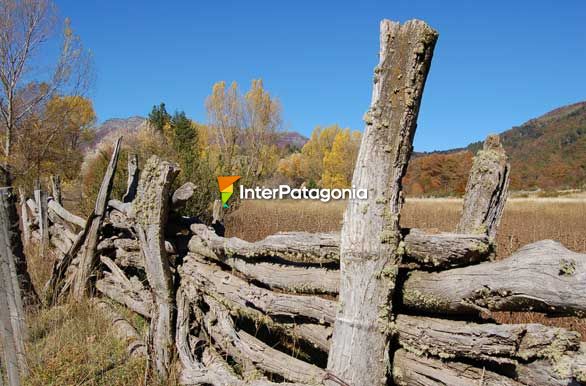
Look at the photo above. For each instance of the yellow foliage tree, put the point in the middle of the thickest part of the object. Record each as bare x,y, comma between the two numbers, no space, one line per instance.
339,161
51,140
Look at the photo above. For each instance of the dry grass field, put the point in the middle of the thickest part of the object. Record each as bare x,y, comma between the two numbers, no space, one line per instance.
525,220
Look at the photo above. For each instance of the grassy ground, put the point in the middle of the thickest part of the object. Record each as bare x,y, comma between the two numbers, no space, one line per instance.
525,220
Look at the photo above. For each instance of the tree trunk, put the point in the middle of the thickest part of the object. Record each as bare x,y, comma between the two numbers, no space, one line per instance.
151,208
88,258
371,234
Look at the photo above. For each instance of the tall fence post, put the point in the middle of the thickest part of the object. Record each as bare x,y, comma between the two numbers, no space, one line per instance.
486,190
12,325
41,200
56,189
369,248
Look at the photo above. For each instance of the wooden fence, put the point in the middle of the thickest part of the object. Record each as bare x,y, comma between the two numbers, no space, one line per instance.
372,305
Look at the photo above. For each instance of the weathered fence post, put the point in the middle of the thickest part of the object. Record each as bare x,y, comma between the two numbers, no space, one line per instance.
132,181
369,249
56,188
218,218
12,325
42,216
486,190
24,215
88,257
151,208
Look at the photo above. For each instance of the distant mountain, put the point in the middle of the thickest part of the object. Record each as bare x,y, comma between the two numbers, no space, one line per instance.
548,152
115,127
291,139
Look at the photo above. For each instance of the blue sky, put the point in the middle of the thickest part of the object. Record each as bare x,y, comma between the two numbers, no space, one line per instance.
496,65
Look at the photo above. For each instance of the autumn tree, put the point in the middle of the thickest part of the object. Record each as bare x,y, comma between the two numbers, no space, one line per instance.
339,161
244,129
51,140
224,109
26,28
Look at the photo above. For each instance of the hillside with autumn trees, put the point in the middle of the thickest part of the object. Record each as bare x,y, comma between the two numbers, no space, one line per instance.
546,153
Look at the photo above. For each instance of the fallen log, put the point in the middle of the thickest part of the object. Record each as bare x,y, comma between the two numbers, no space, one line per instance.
182,195
211,368
292,278
244,348
124,290
413,370
445,250
223,285
123,330
490,342
567,368
428,250
292,246
542,277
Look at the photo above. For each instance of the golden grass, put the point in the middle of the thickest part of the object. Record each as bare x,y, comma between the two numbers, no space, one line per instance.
73,344
524,221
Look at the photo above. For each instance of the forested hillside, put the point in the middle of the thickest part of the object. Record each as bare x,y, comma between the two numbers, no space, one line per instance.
548,153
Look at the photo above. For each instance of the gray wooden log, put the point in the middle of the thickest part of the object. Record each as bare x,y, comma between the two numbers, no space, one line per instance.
61,238
41,200
486,190
427,250
132,181
369,248
127,291
70,218
25,220
412,370
123,207
12,323
292,278
88,255
32,207
215,282
445,250
243,347
293,246
488,342
182,195
542,277
56,188
212,368
123,330
565,368
151,208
